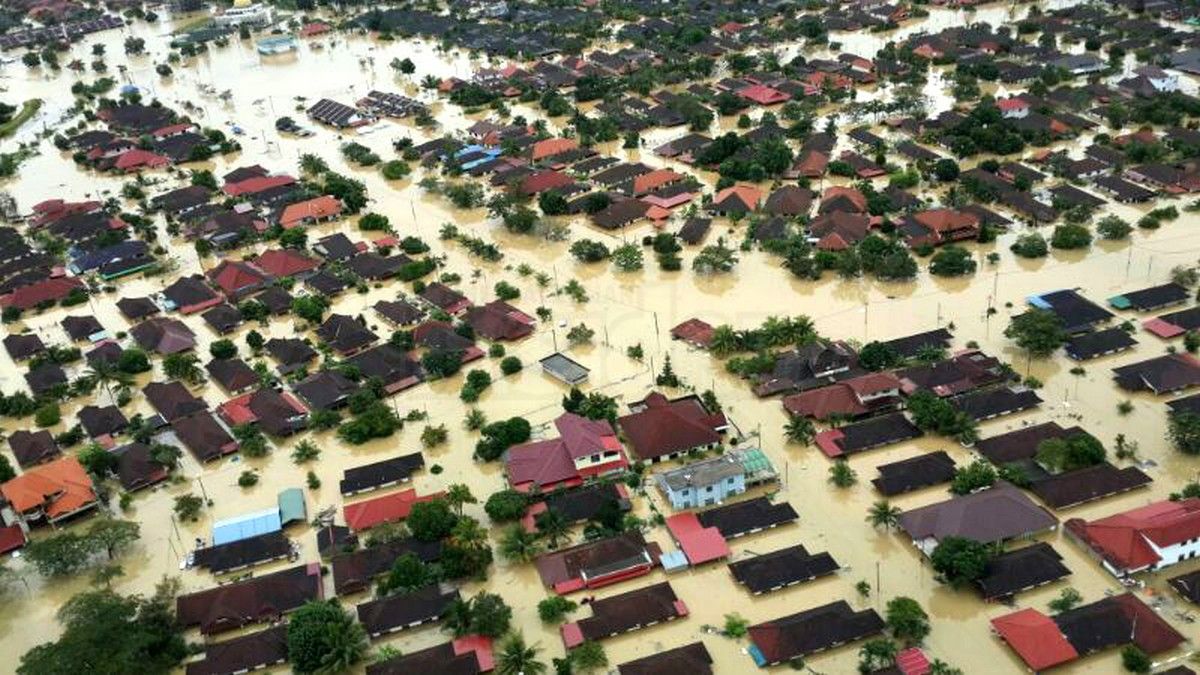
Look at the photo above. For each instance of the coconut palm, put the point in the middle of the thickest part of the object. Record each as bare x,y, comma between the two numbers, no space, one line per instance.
552,525
106,374
518,658
589,656
799,430
345,644
458,617
519,545
841,475
883,514
458,495
724,341
183,366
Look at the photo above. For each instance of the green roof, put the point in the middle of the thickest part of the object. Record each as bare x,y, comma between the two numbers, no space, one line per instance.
291,506
1119,302
754,461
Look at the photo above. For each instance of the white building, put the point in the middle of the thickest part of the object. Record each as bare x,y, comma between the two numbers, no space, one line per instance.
256,14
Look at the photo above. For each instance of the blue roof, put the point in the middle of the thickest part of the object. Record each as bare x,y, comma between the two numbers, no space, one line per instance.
84,261
291,506
673,561
246,526
757,655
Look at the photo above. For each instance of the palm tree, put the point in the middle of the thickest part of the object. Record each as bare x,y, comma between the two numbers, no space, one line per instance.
468,535
183,366
457,495
458,617
841,475
519,545
345,645
518,658
800,430
883,514
589,656
801,330
775,331
106,374
724,341
552,525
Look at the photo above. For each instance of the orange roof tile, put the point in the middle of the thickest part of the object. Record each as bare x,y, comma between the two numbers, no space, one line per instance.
62,485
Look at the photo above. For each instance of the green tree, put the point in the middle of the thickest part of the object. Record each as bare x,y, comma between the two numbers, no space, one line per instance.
877,654
324,638
490,616
113,536
506,505
628,257
305,451
223,349
187,507
431,521
960,561
552,526
518,658
588,656
183,366
409,573
1066,600
1183,429
952,261
883,514
908,621
519,545
554,609
61,554
109,634
1038,331
459,495
1134,660
975,476
799,430
841,475
736,625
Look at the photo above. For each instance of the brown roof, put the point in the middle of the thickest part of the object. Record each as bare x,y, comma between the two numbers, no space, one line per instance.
992,515
667,427
254,600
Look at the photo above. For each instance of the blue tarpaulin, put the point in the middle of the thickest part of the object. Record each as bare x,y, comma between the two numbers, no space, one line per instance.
246,526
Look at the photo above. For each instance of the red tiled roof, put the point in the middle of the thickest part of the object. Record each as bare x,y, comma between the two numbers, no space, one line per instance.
233,277
544,180
171,130
1035,638
314,209
47,290
552,146
700,544
912,661
747,194
136,158
946,220
63,482
386,509
1011,104
668,427
11,538
1127,540
285,262
257,184
654,179
693,331
762,94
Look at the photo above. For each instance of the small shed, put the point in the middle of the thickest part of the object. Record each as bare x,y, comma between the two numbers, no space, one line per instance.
565,369
292,508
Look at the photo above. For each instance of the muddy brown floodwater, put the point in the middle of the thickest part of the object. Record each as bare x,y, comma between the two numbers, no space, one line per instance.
625,309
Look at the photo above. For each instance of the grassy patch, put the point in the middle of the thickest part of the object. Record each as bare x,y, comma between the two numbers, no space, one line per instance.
28,109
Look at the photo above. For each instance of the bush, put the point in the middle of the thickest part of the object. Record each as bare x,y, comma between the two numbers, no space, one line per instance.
506,506
223,349
555,608
248,479
395,169
48,415
374,222
1113,228
1070,237
952,261
1031,245
589,251
510,365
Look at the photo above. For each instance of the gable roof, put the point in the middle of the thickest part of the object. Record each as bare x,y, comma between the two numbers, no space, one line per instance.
666,427
60,487
1128,540
998,513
